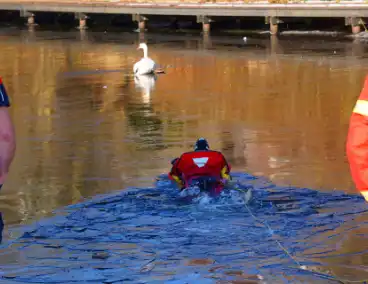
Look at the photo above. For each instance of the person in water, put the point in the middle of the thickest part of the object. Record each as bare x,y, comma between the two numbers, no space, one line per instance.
200,163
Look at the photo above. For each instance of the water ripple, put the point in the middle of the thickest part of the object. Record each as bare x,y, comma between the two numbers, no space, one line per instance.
151,235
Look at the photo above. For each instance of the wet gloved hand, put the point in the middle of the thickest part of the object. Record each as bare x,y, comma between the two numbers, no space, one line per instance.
173,161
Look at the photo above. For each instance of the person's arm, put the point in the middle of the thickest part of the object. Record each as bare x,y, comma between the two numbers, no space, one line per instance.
225,172
175,173
7,135
357,142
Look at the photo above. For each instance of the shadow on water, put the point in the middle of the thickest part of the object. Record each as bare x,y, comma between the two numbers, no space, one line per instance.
150,235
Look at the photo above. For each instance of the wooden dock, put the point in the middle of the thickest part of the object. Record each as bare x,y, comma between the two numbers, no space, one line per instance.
353,11
190,8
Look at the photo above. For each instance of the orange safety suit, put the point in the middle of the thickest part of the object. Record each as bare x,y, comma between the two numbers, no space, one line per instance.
357,142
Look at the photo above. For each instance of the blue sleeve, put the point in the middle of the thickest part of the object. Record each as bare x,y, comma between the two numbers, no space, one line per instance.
4,99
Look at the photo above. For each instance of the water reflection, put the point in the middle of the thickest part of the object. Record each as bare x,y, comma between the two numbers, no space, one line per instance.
206,42
100,129
146,84
83,35
275,46
282,115
142,116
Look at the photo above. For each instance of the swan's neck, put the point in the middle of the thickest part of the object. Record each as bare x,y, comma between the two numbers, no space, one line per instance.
145,52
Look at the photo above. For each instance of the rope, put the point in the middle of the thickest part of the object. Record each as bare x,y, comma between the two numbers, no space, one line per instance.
333,277
269,229
246,198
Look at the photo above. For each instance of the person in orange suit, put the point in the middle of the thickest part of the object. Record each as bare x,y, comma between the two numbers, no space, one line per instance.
357,142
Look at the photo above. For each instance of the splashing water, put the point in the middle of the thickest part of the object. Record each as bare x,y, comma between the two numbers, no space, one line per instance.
156,235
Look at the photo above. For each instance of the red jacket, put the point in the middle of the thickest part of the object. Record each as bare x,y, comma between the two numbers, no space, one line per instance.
199,163
357,142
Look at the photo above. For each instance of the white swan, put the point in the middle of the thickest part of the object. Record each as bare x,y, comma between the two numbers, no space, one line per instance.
146,65
146,83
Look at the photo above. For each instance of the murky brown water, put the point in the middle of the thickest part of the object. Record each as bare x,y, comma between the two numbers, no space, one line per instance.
275,108
280,113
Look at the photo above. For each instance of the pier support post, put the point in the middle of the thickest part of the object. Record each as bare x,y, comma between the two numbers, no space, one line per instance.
206,23
83,35
141,20
141,25
30,18
274,24
355,29
355,23
206,28
82,18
